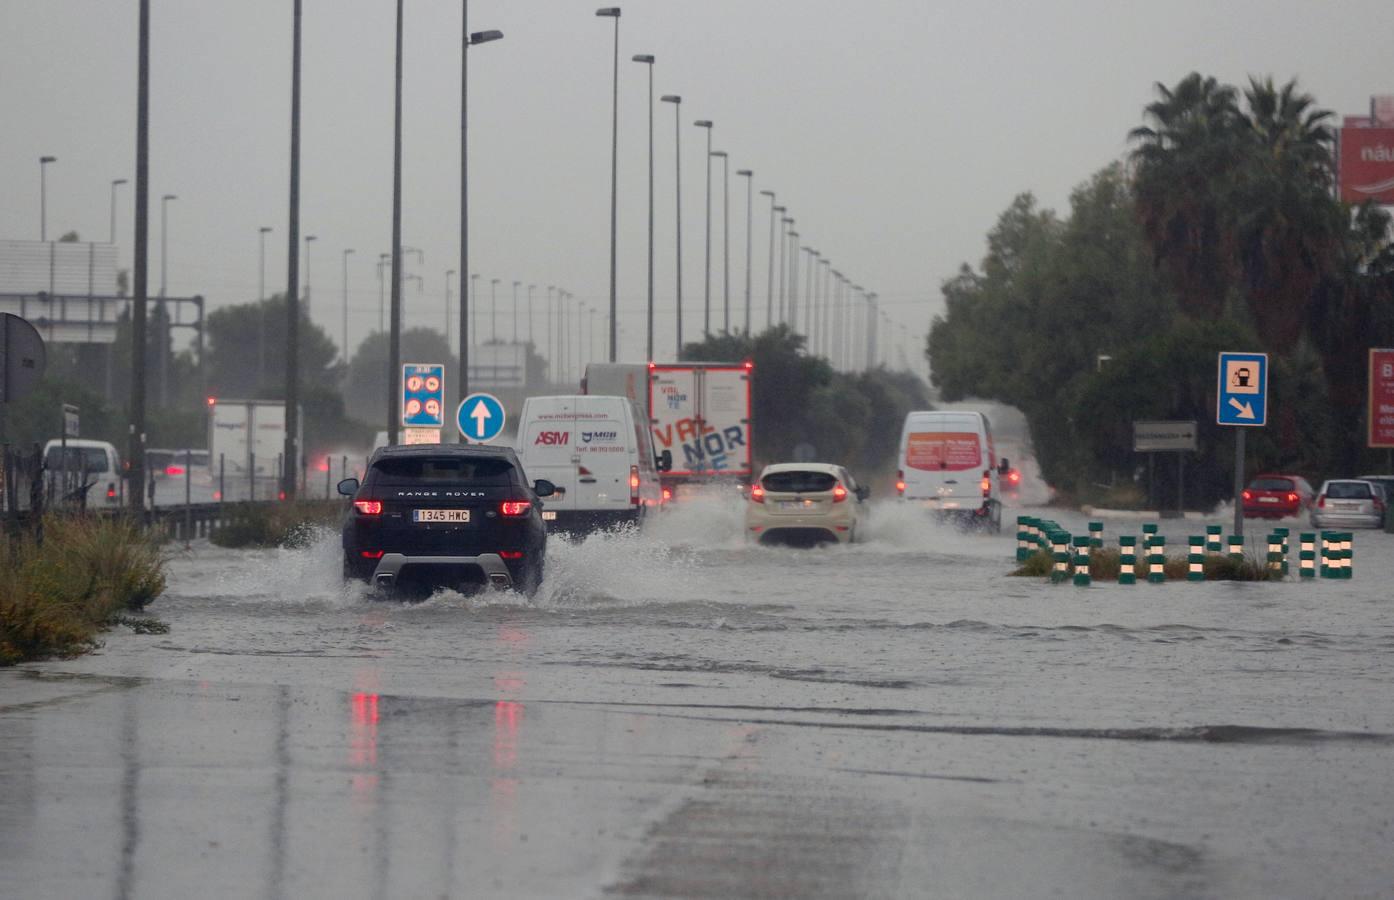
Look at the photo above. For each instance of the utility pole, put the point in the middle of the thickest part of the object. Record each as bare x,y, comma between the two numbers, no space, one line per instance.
290,458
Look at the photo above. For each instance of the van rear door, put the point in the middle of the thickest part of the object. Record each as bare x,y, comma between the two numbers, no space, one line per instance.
602,448
943,459
546,447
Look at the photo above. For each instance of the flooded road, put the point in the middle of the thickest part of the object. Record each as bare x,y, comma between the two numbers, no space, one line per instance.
681,715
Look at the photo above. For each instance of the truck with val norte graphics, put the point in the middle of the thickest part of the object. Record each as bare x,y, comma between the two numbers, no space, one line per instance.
698,411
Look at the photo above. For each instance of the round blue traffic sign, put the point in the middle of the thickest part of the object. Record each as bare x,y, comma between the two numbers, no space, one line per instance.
480,417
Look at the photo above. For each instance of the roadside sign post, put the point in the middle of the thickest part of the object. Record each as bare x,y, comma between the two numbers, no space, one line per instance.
1241,401
1174,437
480,418
423,395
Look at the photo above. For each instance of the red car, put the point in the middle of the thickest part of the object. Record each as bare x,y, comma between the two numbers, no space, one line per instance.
1277,497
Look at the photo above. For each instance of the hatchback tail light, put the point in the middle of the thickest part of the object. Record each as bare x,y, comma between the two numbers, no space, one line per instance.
368,507
1247,495
633,485
174,470
900,482
1292,498
757,494
515,509
839,493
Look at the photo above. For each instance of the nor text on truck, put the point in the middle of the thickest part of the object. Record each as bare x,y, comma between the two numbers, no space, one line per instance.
699,412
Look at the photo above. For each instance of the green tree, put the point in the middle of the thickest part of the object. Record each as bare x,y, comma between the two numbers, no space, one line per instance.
246,345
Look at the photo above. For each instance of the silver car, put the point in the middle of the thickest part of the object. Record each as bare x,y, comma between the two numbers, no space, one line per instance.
1348,503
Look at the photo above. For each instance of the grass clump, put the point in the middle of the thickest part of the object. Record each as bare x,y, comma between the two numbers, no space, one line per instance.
86,575
277,524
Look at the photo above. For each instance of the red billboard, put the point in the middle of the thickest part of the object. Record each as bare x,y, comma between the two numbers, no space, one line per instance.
1367,165
1381,398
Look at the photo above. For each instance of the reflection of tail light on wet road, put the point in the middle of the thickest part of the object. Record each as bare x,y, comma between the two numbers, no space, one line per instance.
363,742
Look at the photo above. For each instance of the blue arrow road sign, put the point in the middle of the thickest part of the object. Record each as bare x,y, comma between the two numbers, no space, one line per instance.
423,395
1243,389
480,417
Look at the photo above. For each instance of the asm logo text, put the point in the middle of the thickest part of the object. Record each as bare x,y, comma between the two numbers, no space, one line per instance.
552,438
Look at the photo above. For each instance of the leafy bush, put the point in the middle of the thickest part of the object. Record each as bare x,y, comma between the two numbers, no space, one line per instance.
277,524
87,573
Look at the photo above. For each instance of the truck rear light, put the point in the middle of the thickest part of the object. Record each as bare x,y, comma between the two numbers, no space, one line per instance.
757,494
839,493
900,482
371,554
515,509
633,485
368,507
511,554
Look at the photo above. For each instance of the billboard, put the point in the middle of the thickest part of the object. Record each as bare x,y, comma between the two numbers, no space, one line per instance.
1367,165
1381,398
494,366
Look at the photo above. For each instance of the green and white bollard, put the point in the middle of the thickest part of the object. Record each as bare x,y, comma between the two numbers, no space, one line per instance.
1157,559
1328,542
1212,539
1275,555
1060,552
1082,544
1127,559
1236,548
1023,538
1096,535
1307,555
1195,558
1149,535
1347,552
1284,534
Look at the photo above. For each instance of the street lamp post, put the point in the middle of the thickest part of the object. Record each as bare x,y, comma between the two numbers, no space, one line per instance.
647,59
309,239
786,222
474,311
707,265
394,341
749,176
531,288
383,260
769,269
467,40
344,282
164,215
493,310
613,12
290,454
114,185
725,239
43,195
794,280
676,100
552,314
515,311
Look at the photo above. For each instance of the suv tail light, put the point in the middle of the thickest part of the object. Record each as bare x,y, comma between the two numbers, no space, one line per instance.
900,482
368,507
839,493
371,554
633,485
511,554
1379,506
757,494
515,509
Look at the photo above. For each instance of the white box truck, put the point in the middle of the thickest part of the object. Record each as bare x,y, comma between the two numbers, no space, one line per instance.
247,438
700,412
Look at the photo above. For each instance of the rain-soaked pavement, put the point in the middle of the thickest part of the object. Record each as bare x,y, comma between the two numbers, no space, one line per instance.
678,715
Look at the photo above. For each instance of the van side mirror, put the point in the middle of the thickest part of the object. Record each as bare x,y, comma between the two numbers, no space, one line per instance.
664,461
348,487
1004,467
543,488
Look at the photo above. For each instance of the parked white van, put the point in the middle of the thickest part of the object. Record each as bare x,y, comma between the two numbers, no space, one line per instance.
94,465
598,452
949,464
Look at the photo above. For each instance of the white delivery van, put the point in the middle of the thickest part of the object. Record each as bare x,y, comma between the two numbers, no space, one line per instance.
90,466
598,452
949,465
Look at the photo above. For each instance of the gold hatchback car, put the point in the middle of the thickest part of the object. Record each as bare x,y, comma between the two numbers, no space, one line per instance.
805,504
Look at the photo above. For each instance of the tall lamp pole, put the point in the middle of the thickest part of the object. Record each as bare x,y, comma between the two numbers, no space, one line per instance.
493,310
647,59
449,274
309,239
676,100
707,265
262,232
466,305
114,185
531,288
786,223
290,456
515,311
394,316
725,240
749,177
769,269
613,12
135,453
347,253
43,195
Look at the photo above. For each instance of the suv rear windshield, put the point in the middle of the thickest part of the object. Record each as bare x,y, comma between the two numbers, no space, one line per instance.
1271,484
1348,490
443,470
798,482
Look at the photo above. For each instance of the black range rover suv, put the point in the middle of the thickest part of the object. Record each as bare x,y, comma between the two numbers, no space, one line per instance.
445,515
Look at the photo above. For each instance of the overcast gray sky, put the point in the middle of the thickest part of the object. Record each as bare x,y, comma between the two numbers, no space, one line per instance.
895,130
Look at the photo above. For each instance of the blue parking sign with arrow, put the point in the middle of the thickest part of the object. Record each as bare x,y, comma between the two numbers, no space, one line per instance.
1243,389
480,417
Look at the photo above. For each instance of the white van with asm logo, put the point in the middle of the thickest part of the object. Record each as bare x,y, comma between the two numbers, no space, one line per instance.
598,453
949,464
